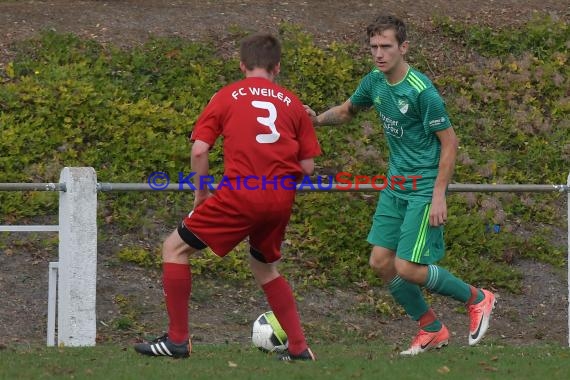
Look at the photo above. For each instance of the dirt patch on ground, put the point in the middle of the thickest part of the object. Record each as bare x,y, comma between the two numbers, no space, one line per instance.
220,311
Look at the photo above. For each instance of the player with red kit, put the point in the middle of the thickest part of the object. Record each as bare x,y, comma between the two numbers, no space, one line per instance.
266,134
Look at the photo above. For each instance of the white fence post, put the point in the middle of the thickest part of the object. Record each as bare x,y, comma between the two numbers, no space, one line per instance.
77,268
52,302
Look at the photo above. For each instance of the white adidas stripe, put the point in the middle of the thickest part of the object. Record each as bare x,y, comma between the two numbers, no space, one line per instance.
160,349
165,349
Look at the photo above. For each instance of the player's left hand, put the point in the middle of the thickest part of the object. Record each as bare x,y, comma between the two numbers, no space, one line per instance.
438,212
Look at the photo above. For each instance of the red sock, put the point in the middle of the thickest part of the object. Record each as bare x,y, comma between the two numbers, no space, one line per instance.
427,319
474,294
177,285
282,303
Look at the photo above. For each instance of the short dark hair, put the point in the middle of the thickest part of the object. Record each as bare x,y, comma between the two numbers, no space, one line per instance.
386,22
260,50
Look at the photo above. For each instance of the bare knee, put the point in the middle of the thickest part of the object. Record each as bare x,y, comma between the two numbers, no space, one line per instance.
168,249
412,272
382,263
175,250
263,273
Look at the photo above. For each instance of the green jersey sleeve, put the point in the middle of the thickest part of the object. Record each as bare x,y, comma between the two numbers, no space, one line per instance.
432,109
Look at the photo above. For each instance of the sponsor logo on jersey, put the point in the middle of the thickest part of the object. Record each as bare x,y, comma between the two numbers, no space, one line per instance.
437,122
391,126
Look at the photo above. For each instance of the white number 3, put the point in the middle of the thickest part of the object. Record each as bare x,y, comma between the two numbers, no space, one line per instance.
267,138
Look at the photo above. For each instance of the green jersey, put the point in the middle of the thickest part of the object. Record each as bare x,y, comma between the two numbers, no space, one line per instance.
411,111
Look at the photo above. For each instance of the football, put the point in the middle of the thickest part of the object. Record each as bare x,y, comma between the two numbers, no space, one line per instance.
267,334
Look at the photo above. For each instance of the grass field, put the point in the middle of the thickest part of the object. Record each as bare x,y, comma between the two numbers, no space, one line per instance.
361,361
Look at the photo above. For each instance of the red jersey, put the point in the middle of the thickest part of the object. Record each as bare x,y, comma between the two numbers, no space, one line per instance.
265,128
266,133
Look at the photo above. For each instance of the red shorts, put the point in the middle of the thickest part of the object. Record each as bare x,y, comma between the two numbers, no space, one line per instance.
230,216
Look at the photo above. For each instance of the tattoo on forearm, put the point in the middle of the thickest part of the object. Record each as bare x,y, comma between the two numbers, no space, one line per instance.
330,118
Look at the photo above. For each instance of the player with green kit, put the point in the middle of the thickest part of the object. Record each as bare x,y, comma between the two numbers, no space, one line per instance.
407,227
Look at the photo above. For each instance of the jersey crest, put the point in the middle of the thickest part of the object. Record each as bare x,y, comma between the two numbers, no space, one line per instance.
403,105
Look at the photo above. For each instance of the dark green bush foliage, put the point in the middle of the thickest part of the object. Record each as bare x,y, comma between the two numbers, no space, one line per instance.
71,102
542,37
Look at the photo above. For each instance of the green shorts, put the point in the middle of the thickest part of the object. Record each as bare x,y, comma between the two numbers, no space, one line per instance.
403,226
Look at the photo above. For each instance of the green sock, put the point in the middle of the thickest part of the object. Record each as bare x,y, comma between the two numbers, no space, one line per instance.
442,282
409,296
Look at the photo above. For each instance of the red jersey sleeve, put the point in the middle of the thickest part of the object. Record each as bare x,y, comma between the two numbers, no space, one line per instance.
309,146
208,126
